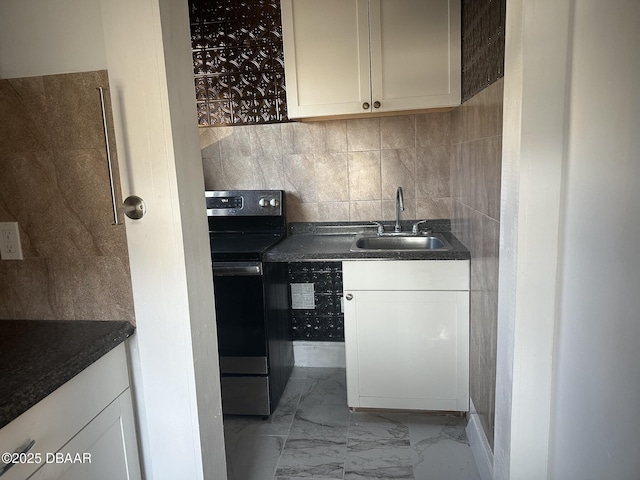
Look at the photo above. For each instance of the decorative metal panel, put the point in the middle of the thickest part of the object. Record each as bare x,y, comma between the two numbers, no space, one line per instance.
325,321
238,61
483,23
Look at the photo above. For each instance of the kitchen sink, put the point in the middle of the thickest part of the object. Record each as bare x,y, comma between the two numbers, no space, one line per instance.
404,242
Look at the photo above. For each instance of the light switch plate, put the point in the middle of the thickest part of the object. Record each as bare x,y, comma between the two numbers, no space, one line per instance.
10,248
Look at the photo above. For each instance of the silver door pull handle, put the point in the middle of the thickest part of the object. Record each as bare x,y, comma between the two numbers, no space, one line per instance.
133,207
18,452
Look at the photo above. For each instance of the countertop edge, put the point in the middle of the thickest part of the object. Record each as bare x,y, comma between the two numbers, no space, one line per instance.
36,389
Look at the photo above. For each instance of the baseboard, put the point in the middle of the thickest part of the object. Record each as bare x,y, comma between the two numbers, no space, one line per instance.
319,354
482,453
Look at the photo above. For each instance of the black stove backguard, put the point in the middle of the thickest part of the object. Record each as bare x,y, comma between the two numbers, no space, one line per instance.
252,298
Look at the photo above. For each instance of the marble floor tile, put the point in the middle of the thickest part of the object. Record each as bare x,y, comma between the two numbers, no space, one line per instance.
440,448
372,425
320,421
278,423
381,458
325,386
312,435
260,463
313,458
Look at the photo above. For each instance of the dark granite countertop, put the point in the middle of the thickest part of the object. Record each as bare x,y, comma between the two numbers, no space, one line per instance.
332,241
38,356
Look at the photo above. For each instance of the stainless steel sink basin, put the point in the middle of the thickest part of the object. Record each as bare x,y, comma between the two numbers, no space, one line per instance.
432,242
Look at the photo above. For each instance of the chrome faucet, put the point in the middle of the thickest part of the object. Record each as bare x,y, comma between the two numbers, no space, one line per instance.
399,207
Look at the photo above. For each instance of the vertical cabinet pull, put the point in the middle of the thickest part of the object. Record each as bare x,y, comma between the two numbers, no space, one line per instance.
134,207
114,203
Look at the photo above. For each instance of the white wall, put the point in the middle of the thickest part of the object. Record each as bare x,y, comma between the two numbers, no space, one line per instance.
533,153
48,37
596,425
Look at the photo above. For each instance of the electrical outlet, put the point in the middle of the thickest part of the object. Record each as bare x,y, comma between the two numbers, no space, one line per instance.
10,248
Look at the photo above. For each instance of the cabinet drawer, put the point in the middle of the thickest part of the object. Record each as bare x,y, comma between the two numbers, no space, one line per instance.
53,421
406,275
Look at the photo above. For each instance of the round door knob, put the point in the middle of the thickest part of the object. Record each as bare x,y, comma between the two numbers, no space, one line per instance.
365,106
376,104
349,296
274,202
263,202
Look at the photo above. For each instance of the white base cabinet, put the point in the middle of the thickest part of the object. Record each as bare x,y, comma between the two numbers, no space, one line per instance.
407,334
84,430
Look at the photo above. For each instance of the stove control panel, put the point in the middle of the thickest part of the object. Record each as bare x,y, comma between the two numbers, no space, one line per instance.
244,202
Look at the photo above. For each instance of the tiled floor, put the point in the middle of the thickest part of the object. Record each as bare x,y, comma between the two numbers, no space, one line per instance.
313,435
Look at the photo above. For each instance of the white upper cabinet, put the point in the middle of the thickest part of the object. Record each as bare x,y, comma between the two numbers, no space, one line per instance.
346,57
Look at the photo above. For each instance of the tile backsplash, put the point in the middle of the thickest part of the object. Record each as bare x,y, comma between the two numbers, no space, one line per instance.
338,170
55,184
475,188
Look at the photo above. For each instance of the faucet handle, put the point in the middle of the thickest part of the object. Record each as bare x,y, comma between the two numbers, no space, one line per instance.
415,229
380,227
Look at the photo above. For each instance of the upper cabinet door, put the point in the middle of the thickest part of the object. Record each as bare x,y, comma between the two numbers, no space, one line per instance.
326,51
345,57
415,54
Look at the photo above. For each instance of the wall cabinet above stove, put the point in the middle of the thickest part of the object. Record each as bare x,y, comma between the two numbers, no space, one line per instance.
354,57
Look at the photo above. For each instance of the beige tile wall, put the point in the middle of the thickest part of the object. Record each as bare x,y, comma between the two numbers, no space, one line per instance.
54,183
475,188
338,170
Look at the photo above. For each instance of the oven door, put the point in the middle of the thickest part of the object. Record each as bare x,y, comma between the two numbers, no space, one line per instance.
240,317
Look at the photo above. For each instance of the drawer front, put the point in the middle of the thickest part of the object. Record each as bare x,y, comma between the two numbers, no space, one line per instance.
406,275
53,421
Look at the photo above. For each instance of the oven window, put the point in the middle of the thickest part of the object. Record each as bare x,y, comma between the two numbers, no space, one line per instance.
240,316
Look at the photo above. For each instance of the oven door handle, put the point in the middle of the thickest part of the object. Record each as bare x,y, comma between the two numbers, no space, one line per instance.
237,269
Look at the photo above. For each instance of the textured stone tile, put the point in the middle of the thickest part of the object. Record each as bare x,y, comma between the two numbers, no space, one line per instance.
240,173
92,288
440,448
336,131
365,210
265,140
300,211
304,138
434,207
320,421
364,176
261,464
315,458
379,458
433,129
83,183
398,132
270,172
213,176
50,225
235,142
27,290
325,386
398,170
73,114
300,172
332,177
210,138
333,211
376,425
433,171
363,134
22,108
